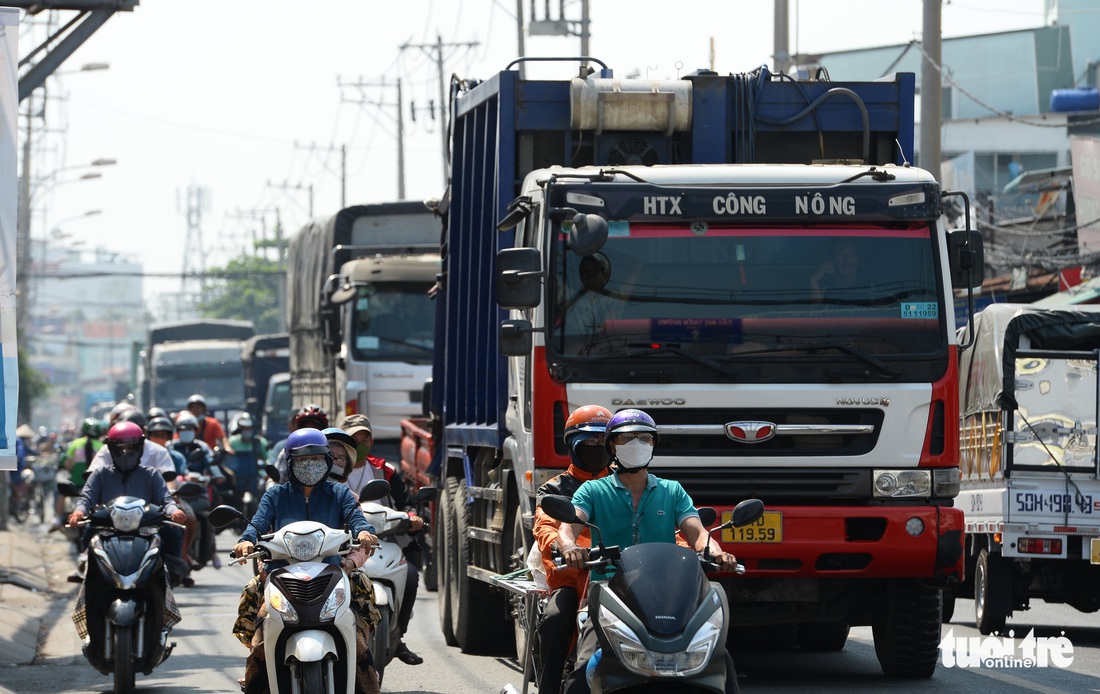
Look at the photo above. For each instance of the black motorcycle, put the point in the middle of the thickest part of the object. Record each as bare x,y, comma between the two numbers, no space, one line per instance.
125,612
660,622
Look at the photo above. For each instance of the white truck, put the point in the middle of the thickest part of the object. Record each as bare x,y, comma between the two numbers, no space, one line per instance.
360,318
1028,411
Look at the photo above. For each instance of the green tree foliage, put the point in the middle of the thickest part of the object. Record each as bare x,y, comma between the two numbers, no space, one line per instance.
32,386
247,288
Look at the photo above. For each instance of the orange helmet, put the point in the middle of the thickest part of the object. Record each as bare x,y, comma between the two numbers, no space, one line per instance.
588,419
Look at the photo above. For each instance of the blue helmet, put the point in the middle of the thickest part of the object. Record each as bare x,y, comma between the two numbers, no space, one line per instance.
305,442
630,421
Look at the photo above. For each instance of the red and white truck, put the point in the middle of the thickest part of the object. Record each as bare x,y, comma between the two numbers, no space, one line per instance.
685,247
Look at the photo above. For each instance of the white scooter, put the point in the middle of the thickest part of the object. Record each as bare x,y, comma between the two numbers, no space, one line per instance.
309,630
388,571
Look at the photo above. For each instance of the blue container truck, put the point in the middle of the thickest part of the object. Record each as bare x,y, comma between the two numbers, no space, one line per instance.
652,244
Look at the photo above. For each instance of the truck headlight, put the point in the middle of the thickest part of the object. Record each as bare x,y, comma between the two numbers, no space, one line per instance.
899,484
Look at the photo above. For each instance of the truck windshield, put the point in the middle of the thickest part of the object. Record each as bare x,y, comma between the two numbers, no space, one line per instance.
221,384
822,304
393,322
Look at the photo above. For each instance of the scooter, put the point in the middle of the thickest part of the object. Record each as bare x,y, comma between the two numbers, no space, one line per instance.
387,569
309,630
126,611
658,618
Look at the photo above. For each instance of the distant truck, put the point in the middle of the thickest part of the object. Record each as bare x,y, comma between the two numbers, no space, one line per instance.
1028,452
199,356
263,357
359,313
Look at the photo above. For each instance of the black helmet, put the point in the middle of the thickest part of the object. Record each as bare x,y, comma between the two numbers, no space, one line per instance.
135,415
155,412
160,424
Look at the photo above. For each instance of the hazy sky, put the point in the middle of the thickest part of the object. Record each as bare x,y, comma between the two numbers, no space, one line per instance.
241,97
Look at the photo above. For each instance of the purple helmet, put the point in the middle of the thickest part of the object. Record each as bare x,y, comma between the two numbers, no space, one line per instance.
630,421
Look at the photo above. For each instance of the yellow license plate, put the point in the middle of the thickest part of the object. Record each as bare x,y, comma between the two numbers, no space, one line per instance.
768,529
1094,551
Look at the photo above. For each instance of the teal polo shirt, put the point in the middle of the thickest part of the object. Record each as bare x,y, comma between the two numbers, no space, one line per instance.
663,506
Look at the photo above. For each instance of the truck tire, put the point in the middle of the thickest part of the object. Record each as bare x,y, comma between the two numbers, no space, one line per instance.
823,636
445,557
519,560
985,575
477,610
948,610
907,632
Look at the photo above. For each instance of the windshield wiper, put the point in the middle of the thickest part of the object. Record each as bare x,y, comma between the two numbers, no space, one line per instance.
404,343
880,365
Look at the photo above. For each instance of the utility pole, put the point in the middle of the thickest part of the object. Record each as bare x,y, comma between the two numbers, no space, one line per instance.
444,107
365,100
23,233
781,38
343,149
931,86
520,38
297,186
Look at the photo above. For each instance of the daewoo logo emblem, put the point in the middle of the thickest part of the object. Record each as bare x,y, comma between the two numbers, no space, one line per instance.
750,432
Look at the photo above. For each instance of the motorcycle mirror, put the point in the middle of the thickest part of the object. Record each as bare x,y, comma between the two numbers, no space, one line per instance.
189,489
196,456
707,516
560,508
68,489
747,512
427,494
169,475
272,473
374,490
223,516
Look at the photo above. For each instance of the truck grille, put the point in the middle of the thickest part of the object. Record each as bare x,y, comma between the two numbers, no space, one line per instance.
718,444
723,486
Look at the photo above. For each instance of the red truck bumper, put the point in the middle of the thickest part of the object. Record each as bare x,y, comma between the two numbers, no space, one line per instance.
857,542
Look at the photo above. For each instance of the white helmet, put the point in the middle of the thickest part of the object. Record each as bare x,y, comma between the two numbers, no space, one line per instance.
186,420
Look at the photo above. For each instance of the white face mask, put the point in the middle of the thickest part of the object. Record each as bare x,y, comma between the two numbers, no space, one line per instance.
187,436
634,454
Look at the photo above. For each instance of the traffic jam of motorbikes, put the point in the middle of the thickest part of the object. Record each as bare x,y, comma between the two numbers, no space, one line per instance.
680,381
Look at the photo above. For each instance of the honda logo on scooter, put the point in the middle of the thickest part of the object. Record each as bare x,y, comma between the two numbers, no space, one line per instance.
750,432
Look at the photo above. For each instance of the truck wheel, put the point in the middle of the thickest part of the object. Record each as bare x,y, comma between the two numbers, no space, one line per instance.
907,632
823,636
519,561
445,558
948,605
477,610
987,622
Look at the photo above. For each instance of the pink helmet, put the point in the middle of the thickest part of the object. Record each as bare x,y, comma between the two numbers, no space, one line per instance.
123,433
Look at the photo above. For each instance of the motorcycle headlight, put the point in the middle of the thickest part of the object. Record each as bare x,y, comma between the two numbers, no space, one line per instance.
638,658
280,604
127,519
335,599
304,547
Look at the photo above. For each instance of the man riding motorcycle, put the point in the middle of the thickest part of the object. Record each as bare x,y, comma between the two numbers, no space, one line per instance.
630,507
584,437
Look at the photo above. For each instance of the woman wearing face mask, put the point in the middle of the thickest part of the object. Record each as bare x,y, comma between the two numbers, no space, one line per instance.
631,507
308,494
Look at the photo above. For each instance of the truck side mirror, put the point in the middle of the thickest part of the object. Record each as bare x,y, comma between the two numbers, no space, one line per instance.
515,338
519,275
966,255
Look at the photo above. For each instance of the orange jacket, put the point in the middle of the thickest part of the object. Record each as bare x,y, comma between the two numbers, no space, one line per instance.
546,528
